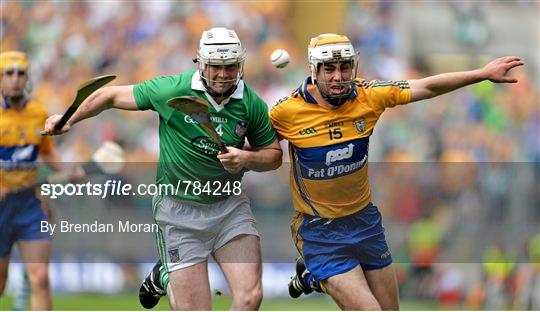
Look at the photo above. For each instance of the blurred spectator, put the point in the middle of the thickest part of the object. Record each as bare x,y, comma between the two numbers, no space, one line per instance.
499,266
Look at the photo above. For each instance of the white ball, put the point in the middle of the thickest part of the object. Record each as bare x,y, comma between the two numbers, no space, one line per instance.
279,58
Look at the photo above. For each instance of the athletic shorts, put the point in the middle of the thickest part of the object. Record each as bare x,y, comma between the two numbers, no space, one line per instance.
334,246
190,232
20,219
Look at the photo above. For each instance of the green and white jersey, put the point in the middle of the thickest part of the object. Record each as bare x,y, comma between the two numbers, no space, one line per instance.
187,155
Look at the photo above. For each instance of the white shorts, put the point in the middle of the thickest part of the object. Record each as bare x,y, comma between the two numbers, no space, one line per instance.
190,232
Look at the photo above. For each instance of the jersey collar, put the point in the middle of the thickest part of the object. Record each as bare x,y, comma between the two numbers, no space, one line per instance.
7,105
303,91
197,84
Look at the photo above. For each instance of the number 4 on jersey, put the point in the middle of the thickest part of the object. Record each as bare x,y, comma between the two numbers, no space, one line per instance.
219,130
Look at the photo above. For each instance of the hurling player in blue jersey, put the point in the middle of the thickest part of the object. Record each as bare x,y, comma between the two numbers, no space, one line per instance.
328,121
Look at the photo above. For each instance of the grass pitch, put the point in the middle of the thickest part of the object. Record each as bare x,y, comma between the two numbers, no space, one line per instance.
98,302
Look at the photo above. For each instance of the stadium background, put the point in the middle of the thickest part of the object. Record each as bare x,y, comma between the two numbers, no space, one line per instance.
453,176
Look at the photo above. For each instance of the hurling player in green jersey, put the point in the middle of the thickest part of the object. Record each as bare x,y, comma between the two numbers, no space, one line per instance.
210,214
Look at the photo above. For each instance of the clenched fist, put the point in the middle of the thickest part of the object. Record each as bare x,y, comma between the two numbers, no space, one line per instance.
51,122
234,160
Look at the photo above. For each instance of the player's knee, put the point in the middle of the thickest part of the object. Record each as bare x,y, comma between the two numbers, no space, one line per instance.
369,305
39,279
363,306
249,298
359,302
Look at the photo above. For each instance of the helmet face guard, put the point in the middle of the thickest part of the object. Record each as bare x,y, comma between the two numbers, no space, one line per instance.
220,47
332,49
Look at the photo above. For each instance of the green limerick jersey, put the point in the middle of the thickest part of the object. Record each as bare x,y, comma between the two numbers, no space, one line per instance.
187,155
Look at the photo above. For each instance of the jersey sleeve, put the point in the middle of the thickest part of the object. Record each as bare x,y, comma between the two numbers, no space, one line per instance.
260,132
154,94
384,94
278,117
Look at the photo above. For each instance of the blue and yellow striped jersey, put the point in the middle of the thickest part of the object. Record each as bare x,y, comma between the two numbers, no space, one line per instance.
21,143
328,148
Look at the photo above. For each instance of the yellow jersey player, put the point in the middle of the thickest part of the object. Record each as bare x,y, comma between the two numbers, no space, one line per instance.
20,145
328,122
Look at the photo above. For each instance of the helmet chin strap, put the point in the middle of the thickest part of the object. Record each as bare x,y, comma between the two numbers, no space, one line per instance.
14,98
335,102
21,97
213,93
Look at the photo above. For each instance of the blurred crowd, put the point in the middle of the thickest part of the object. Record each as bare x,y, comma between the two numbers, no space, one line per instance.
70,41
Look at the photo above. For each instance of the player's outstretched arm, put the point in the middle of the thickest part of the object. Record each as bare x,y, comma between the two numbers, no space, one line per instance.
262,159
494,71
120,97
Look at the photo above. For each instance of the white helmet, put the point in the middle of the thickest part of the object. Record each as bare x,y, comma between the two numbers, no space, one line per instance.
220,46
329,48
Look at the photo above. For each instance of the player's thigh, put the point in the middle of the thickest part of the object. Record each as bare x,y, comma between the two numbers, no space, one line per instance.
237,246
36,254
190,288
350,290
35,251
4,265
8,230
383,285
184,237
240,261
34,244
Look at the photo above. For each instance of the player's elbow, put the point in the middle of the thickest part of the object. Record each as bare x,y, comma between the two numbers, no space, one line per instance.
423,94
276,155
120,97
271,160
101,99
277,159
421,89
